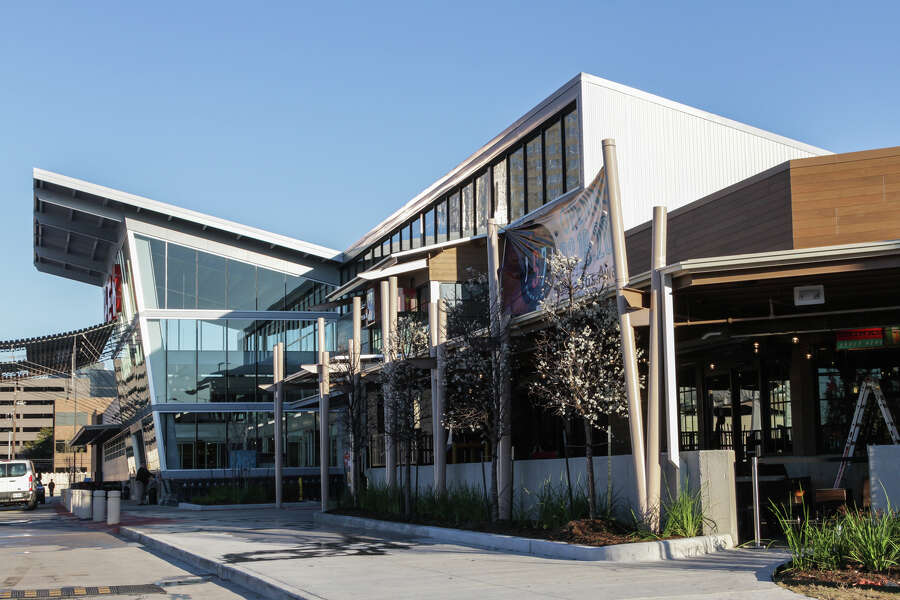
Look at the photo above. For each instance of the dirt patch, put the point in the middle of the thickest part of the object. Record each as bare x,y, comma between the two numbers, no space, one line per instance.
842,584
597,532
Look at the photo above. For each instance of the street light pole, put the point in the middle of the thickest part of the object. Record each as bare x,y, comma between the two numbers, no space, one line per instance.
12,451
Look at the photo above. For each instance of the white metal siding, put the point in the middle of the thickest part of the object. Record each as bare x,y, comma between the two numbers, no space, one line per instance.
672,155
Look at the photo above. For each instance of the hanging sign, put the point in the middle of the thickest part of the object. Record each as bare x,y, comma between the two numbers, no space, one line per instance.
853,339
112,295
576,227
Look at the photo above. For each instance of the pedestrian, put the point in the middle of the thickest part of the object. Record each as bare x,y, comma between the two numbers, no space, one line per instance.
51,486
142,477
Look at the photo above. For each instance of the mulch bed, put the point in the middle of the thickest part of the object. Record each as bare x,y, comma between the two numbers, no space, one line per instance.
597,532
848,577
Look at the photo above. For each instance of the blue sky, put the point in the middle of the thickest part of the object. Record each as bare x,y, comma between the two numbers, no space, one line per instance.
317,120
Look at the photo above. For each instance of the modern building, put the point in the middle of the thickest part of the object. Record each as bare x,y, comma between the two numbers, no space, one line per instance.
754,218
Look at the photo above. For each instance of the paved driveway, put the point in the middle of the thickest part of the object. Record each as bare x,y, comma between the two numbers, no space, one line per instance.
284,547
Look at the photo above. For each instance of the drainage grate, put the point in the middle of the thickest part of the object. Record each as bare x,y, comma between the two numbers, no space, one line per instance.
83,592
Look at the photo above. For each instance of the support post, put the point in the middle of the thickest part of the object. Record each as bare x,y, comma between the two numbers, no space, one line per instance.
390,466
437,405
628,345
655,375
278,372
324,442
671,389
15,409
495,305
355,348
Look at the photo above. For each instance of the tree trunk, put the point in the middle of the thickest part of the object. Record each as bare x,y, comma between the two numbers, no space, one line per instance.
495,469
589,459
487,503
408,478
568,472
609,485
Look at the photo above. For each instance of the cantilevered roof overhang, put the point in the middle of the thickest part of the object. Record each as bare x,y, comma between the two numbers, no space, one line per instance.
80,226
53,354
95,434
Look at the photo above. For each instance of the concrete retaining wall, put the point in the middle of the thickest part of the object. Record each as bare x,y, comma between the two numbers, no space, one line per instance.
710,471
884,477
636,552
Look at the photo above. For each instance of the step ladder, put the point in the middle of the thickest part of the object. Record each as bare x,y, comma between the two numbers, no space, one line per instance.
869,385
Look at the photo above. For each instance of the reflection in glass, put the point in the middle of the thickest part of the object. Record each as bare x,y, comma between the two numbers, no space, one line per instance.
468,211
482,203
404,238
181,360
386,247
151,259
429,227
501,210
453,216
212,281
212,362
573,151
553,151
302,441
270,290
241,286
156,337
181,278
241,353
517,184
416,232
535,169
441,218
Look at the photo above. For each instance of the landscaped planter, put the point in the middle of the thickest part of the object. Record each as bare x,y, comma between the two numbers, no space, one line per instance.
634,552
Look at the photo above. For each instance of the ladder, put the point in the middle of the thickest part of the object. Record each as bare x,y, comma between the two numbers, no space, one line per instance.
869,385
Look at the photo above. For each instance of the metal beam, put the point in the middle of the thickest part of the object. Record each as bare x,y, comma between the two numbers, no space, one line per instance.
77,275
79,205
111,236
68,258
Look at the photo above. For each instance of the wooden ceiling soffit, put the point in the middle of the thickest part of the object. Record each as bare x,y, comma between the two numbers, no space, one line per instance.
786,271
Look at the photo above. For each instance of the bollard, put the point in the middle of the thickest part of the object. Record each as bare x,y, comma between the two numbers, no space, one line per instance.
99,505
66,499
114,507
85,513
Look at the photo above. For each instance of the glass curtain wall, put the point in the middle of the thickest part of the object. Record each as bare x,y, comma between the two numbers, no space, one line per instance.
178,278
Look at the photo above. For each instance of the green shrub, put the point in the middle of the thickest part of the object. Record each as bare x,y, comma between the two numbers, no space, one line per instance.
856,537
682,515
233,494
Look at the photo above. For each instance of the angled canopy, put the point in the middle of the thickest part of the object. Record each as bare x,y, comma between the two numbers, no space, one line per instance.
52,354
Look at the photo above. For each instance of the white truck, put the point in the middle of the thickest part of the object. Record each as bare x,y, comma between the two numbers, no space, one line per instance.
17,483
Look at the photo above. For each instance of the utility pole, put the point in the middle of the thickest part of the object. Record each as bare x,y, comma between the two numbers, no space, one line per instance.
278,372
15,404
74,411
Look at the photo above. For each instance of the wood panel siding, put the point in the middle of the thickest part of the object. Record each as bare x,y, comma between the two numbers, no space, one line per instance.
454,263
846,198
751,216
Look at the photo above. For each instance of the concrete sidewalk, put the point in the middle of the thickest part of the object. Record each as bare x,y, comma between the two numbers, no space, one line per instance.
283,555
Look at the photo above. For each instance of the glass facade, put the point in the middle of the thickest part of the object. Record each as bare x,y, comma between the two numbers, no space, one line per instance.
542,167
177,278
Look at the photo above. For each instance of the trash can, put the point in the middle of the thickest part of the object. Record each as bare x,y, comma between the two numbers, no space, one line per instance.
99,505
113,507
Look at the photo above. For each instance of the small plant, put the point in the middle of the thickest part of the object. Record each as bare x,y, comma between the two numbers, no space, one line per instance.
871,540
683,514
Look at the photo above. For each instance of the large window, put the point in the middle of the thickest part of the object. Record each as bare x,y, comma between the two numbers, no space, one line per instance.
500,203
429,227
482,202
405,239
517,184
539,169
553,154
573,151
468,211
226,360
535,173
415,229
453,216
441,221
176,278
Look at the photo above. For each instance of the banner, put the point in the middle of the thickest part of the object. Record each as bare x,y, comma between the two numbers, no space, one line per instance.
577,227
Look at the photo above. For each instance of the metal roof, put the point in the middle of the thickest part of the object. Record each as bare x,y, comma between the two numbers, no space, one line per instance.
52,354
95,434
79,227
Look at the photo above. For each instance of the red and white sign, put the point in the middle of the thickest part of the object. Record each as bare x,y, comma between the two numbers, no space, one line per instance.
112,295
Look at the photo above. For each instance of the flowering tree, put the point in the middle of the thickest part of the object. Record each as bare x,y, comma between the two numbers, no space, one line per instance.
578,356
477,371
347,379
404,383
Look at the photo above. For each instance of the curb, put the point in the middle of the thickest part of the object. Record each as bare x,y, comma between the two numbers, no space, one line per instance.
636,552
256,582
189,506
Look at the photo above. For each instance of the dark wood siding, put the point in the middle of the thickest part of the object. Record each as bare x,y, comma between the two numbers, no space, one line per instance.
750,216
846,198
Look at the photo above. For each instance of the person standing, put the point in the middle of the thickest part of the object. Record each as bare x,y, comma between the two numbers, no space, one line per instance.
142,477
51,486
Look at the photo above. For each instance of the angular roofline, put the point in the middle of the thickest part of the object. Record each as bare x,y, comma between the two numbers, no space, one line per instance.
411,206
170,211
